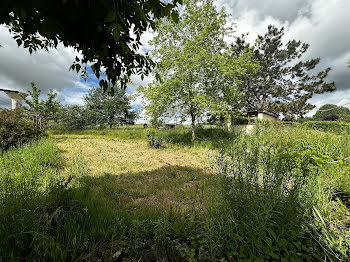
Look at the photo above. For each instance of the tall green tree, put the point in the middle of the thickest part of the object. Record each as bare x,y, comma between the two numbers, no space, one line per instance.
109,109
331,112
284,83
74,117
196,70
105,32
41,111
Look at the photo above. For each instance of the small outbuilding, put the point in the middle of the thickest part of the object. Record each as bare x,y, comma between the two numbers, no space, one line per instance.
16,97
252,117
261,115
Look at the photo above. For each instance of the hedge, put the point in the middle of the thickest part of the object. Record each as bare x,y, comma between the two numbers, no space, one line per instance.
328,126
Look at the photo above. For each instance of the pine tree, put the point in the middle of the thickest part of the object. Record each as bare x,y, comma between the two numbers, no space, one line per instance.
284,83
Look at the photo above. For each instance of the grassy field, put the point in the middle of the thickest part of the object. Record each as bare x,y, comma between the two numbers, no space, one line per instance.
144,176
105,195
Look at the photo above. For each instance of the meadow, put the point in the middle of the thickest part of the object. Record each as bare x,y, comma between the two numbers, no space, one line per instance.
281,194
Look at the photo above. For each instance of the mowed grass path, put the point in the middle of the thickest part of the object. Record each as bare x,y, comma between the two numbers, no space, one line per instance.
134,175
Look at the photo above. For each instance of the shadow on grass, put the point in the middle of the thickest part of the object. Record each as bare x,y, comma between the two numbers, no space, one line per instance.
173,213
169,187
131,216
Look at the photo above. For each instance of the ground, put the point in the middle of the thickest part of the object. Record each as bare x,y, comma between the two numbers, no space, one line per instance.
161,178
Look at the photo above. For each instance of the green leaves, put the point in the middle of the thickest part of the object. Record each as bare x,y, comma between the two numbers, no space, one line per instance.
110,17
277,86
108,107
116,34
175,17
105,37
194,74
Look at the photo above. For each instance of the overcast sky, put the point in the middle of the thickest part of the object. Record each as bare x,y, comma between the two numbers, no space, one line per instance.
324,24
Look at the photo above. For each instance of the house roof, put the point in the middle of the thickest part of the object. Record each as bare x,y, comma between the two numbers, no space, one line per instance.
14,94
262,112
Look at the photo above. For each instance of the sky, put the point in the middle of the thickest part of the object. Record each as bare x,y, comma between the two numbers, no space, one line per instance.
324,24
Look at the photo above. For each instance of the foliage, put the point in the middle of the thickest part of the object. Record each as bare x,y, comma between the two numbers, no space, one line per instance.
15,129
153,139
284,83
105,108
180,136
331,112
240,120
109,39
197,72
328,126
261,198
41,112
326,154
74,117
215,119
273,201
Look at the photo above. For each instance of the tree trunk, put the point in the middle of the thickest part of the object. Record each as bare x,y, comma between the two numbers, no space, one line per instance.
193,124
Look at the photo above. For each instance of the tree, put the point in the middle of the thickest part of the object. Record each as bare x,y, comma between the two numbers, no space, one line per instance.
284,83
215,119
74,117
196,71
41,111
107,109
105,32
331,112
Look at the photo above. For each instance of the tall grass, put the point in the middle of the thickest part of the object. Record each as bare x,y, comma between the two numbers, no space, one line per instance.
287,181
210,137
272,197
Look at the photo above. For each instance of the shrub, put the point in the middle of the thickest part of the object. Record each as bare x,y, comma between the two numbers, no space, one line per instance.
14,129
154,140
260,203
240,120
328,126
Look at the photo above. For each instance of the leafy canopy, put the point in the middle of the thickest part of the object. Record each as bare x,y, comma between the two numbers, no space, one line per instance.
41,111
331,112
107,109
197,71
284,83
105,32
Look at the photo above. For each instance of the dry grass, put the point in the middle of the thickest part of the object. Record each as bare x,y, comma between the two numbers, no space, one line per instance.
133,175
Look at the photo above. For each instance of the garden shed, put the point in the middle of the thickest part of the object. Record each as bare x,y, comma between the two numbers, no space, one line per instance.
261,115
252,117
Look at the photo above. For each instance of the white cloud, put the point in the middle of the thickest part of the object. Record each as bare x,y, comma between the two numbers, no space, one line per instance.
320,23
49,70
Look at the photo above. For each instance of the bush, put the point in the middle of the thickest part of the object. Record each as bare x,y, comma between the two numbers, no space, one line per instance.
15,130
328,126
154,140
240,120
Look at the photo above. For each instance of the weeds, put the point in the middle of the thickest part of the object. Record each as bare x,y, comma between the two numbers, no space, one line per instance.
154,140
275,196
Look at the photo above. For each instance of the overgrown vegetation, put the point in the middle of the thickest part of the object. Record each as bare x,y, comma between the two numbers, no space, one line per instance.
110,107
154,140
328,126
16,130
279,195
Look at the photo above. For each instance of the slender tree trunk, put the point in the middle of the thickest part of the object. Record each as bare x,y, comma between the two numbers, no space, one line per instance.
193,124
